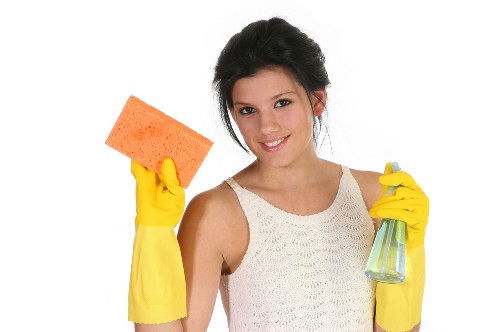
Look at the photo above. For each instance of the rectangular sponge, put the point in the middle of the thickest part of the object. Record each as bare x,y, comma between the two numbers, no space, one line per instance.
148,136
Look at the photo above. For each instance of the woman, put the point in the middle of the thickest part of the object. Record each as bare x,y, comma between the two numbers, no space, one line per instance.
285,239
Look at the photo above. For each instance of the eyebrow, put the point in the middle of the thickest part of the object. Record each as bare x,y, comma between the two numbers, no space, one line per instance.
272,98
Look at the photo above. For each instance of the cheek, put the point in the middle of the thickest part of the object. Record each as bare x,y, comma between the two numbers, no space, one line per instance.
245,127
299,119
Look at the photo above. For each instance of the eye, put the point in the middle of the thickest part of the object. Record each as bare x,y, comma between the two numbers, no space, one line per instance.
282,103
246,110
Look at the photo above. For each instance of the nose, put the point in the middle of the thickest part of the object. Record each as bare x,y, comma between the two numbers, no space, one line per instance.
268,122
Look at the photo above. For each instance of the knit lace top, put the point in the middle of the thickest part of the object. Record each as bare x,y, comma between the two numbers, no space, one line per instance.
303,273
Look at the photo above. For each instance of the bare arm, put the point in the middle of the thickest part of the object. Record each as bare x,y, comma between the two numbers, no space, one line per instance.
174,326
200,241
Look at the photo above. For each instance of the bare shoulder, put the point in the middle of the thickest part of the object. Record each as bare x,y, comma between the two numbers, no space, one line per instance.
368,182
209,211
202,236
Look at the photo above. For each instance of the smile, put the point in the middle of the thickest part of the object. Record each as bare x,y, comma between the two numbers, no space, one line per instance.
275,145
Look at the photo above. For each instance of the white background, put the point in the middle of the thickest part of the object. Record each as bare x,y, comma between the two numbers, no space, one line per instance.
413,81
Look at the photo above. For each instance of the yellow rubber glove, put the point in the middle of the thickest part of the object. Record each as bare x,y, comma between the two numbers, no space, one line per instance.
399,306
407,203
157,290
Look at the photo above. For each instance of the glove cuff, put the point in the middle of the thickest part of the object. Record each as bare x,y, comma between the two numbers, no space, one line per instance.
139,311
399,306
157,290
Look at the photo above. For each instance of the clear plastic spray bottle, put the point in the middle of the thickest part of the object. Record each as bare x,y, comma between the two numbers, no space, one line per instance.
387,261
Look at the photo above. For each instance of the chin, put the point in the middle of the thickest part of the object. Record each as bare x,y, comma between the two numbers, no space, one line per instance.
274,161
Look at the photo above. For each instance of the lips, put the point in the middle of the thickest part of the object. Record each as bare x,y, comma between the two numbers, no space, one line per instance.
275,144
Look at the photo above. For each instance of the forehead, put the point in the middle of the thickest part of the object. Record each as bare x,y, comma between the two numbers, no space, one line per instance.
266,83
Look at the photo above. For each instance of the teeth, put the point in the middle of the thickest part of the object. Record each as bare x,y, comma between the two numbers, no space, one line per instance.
273,144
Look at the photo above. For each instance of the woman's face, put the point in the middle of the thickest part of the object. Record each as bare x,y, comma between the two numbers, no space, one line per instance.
275,117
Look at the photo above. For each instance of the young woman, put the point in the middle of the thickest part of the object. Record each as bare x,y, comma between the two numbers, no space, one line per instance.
286,239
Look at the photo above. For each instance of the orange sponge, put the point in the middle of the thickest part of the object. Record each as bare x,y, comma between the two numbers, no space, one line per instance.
148,136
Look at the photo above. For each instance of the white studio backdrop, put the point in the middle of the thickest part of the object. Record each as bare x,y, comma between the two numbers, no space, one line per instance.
414,82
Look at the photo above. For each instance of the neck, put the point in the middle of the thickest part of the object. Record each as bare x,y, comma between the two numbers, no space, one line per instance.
300,174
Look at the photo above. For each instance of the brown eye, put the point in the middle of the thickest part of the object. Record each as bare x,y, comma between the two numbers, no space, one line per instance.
282,103
246,110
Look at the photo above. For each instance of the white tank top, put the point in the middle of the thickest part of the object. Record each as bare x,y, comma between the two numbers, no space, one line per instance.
303,273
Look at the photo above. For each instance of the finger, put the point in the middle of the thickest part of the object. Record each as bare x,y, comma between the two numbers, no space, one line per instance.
388,168
400,178
407,205
413,205
169,177
173,204
144,177
410,218
136,168
404,195
416,210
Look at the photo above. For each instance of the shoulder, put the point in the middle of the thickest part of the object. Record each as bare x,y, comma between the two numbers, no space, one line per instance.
368,183
208,215
210,206
202,235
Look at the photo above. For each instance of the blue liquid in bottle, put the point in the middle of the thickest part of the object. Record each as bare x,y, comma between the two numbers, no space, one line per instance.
387,260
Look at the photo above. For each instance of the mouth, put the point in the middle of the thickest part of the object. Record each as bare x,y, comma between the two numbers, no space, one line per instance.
274,144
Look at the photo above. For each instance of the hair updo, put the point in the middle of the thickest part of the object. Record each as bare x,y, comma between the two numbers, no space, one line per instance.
266,43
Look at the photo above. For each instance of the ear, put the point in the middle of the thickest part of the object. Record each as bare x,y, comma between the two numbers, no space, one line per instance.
319,101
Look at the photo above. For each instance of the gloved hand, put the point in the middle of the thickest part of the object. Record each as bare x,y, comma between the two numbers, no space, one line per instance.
407,203
159,198
157,290
399,306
